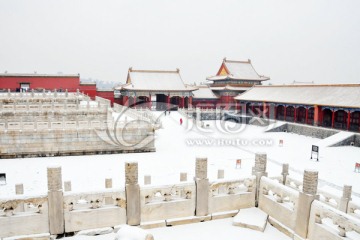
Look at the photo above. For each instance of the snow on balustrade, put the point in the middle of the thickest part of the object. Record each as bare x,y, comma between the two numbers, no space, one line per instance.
31,96
294,183
168,201
227,195
29,212
354,209
139,114
327,222
279,179
104,101
329,198
279,201
80,209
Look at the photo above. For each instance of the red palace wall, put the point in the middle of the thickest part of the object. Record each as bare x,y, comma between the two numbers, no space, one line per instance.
88,89
48,82
107,95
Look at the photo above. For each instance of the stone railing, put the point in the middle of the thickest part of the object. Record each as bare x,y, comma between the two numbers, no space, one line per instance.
23,216
294,183
187,113
354,209
103,101
148,114
167,202
278,179
202,113
294,212
327,222
225,195
138,114
80,209
56,96
57,125
51,107
328,198
67,138
279,201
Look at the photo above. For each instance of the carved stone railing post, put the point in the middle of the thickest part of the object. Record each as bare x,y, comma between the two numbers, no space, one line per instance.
108,182
259,170
285,172
19,189
202,187
147,179
345,199
183,177
67,186
306,197
221,173
56,200
132,189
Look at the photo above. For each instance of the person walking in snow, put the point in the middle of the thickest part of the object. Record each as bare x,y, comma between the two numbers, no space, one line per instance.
181,121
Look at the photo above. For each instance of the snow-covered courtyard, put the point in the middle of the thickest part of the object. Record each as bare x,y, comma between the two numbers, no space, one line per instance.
177,147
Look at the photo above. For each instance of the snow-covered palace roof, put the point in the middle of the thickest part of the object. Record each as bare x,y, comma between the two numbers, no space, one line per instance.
337,95
155,80
204,92
241,70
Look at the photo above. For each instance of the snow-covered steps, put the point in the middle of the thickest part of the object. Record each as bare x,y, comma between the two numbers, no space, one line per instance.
334,139
252,218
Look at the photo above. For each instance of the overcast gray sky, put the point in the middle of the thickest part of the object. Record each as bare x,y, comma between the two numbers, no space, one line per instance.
287,40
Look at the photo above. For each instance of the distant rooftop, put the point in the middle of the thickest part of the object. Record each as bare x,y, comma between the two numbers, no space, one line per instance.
155,80
241,70
337,95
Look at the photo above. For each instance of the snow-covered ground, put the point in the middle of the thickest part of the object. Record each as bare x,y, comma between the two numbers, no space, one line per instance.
176,149
215,229
177,146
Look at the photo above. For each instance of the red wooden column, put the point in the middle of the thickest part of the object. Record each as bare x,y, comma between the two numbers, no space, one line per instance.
134,102
275,111
182,101
333,118
295,108
190,102
252,107
168,102
243,108
306,115
316,115
125,101
284,113
265,109
348,120
149,103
